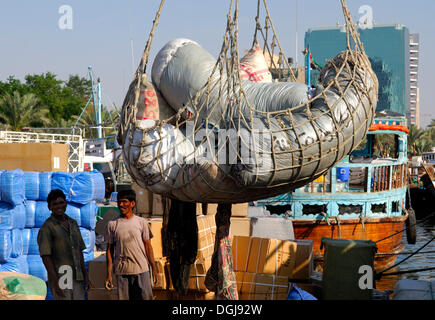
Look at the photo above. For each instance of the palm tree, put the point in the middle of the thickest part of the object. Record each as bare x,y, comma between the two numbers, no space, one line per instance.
18,112
414,136
429,136
87,121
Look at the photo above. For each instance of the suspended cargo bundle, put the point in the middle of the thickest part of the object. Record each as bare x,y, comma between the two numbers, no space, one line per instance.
232,136
233,140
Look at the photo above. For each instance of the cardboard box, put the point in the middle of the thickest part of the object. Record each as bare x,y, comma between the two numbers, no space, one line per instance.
200,267
148,203
162,277
102,294
257,286
98,272
240,250
263,255
144,200
158,205
303,268
237,209
206,236
156,225
198,271
240,226
34,156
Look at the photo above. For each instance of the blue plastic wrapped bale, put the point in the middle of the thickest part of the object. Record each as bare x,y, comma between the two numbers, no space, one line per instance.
30,206
6,218
19,213
1,172
73,211
31,185
297,293
88,257
33,248
18,264
80,187
5,245
44,185
114,196
12,217
88,215
41,213
36,267
89,239
26,234
12,186
17,243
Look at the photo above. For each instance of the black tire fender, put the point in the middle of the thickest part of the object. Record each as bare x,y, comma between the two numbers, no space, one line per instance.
411,229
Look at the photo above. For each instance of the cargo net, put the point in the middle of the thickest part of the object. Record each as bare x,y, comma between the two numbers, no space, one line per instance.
223,131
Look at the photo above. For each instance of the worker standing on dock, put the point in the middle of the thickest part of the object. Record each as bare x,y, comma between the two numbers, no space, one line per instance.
60,247
129,250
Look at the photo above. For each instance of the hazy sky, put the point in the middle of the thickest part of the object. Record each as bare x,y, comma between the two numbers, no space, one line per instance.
102,33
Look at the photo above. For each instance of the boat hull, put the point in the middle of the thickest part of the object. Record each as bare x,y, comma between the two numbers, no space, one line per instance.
373,229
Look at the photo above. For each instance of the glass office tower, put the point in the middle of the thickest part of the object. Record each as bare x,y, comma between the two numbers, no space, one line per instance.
387,47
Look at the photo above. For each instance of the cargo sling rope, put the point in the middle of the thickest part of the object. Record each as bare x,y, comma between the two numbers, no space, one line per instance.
291,140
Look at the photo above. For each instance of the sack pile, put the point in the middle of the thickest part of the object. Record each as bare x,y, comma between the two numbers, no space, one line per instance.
24,209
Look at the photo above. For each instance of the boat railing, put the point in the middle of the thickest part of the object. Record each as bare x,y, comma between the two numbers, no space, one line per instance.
372,177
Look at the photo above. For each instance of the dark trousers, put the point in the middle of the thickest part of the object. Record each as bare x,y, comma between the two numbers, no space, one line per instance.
134,286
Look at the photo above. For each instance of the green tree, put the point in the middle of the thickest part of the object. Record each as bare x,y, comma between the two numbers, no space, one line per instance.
87,121
413,137
62,99
17,112
11,85
80,87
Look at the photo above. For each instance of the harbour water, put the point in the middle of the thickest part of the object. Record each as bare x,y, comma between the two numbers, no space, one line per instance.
424,259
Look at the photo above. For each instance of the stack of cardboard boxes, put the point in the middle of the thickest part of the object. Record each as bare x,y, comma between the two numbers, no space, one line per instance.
265,266
148,203
163,289
34,156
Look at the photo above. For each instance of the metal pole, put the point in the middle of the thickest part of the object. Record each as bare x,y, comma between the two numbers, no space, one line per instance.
100,130
93,93
307,62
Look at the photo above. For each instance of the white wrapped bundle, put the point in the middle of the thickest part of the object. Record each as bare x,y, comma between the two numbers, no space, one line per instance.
157,156
301,138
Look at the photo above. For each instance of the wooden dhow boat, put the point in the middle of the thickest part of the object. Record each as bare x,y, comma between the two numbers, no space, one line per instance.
363,197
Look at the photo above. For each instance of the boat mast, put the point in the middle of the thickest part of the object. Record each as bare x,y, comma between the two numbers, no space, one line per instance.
97,106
